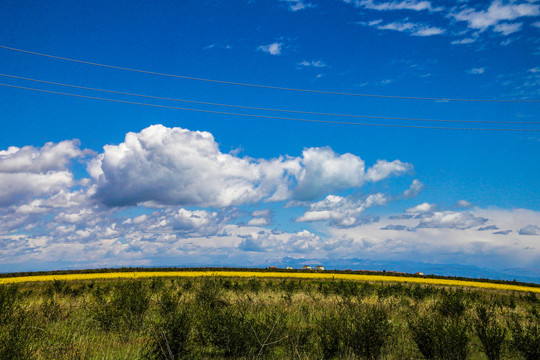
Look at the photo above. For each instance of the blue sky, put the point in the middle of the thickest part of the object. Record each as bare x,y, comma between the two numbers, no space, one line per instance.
93,183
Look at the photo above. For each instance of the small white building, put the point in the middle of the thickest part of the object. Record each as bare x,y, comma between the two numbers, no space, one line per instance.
289,268
319,267
306,267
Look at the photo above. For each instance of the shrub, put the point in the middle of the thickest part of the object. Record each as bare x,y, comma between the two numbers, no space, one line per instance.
170,338
440,338
526,336
9,294
452,304
369,330
490,332
126,306
331,331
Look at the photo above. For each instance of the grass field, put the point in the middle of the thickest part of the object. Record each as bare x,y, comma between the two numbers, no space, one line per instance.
264,315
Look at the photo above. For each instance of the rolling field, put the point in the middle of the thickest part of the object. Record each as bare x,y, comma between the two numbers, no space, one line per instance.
265,315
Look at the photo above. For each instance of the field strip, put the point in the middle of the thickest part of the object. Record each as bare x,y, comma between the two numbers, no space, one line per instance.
253,274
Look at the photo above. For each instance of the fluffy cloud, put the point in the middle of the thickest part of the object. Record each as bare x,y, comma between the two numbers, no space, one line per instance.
30,172
174,166
272,49
343,211
497,12
451,219
415,188
422,208
260,218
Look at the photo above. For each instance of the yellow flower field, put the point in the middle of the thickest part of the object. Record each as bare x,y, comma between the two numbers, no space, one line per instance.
255,274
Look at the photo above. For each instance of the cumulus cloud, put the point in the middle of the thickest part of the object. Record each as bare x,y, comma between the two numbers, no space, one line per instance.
413,190
530,230
174,166
272,49
260,218
451,219
343,212
31,172
497,12
503,232
422,208
199,222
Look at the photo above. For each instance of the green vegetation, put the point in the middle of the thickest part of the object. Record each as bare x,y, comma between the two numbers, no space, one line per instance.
215,318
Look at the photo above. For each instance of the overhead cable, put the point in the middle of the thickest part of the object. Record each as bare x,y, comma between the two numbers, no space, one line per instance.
270,109
266,116
266,86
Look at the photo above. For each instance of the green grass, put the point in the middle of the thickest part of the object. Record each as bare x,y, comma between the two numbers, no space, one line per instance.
215,318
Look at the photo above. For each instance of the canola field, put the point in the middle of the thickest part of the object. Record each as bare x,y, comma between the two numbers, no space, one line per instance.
269,275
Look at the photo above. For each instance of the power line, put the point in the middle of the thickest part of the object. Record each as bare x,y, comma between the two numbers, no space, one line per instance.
265,86
266,116
269,109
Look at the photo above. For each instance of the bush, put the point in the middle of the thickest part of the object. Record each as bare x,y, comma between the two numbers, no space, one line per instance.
9,294
526,336
125,307
440,338
452,304
170,338
491,334
369,330
331,331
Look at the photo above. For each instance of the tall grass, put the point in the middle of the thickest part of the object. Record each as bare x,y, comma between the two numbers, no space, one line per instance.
236,318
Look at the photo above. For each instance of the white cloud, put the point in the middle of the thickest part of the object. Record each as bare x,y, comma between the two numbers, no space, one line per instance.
507,29
29,172
413,190
496,12
174,166
476,71
534,70
422,208
464,41
453,239
343,211
451,219
413,29
536,24
312,63
464,204
295,5
396,5
383,169
272,49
